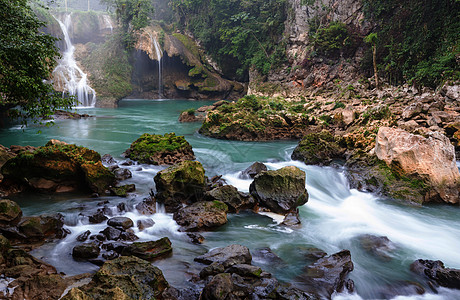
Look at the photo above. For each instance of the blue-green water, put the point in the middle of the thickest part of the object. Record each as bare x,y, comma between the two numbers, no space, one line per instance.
332,220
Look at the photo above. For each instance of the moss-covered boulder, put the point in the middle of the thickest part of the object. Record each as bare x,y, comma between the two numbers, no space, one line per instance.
126,277
59,167
182,183
10,212
234,199
318,149
203,215
281,190
160,149
149,250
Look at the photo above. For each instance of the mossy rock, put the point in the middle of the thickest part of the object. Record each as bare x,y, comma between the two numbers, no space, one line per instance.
318,149
181,183
367,172
122,191
160,149
280,190
58,164
10,212
126,277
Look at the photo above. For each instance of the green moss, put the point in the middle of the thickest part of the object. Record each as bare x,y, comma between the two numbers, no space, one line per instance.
197,71
219,205
149,145
188,43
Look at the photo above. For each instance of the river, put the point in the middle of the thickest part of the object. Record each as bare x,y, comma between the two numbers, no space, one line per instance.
332,220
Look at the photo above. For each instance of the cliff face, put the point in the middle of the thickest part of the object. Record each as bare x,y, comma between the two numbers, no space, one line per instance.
324,44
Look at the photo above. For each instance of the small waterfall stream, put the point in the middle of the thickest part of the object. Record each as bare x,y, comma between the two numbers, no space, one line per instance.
158,52
68,74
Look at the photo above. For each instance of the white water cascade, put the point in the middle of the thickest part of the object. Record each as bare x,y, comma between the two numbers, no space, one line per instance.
158,52
68,74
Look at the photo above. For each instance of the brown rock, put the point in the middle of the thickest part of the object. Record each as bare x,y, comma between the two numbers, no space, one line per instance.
429,159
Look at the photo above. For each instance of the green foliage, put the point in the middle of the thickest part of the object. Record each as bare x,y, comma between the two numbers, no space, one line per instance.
339,104
418,41
376,113
333,39
110,68
237,34
27,58
251,101
132,15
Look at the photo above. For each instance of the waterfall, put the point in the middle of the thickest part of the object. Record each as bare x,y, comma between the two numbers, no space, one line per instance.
69,76
158,52
108,23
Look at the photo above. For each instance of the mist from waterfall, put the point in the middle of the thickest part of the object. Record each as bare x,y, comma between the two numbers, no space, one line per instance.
68,75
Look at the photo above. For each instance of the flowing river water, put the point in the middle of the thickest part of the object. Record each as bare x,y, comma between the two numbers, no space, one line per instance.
333,219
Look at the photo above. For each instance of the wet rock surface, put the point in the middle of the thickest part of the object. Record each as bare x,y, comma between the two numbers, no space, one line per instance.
203,215
437,273
281,190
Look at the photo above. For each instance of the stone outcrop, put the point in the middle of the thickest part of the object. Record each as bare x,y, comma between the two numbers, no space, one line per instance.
328,275
156,149
126,277
436,273
226,256
203,215
431,160
59,167
149,250
253,170
280,190
318,149
182,183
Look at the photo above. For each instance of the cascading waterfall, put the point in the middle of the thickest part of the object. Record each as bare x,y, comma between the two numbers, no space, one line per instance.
69,76
108,22
158,52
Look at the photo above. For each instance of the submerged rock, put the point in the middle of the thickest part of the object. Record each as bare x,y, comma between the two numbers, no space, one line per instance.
282,190
203,215
380,246
328,275
181,183
158,149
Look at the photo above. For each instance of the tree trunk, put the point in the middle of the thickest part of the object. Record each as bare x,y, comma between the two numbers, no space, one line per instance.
374,58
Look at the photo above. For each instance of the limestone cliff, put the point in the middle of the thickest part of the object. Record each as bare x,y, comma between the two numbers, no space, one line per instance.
315,62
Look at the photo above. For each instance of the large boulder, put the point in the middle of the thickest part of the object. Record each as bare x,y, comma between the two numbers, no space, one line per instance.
227,256
282,190
253,170
234,199
435,271
328,275
182,183
59,167
318,149
430,160
160,149
126,277
203,215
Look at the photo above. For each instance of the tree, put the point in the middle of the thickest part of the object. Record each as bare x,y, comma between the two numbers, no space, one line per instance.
372,39
27,59
132,15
